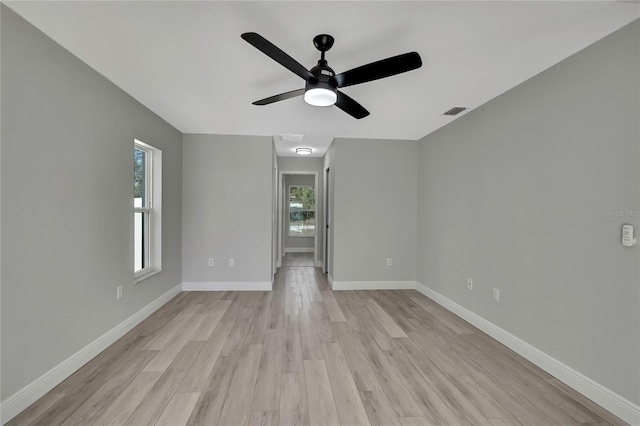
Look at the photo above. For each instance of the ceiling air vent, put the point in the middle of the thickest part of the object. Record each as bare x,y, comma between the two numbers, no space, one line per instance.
291,138
455,111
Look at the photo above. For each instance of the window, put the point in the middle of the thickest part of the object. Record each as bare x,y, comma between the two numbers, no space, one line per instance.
302,211
146,210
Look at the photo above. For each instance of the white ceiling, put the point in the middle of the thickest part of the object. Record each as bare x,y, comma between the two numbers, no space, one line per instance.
187,62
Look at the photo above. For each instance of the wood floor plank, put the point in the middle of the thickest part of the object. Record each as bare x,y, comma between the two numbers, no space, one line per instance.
458,398
291,294
209,406
323,323
313,285
442,315
237,405
322,408
294,409
520,411
292,358
369,328
238,334
168,353
415,421
264,418
363,375
78,395
218,309
178,409
333,309
100,400
276,313
401,398
197,376
311,346
128,343
126,403
594,408
266,396
345,393
437,408
259,322
384,319
148,411
507,421
35,410
168,332
379,409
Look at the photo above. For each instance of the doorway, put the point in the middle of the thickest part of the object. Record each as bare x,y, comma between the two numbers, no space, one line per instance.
298,219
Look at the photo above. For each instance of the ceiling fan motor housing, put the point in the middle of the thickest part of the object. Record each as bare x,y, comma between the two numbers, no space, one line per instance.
324,77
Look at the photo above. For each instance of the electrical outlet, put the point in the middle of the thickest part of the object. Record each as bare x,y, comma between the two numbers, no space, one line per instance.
232,261
119,292
496,294
389,261
469,283
211,261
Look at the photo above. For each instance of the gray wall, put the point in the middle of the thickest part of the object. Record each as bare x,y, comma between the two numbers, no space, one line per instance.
299,180
375,210
67,197
514,195
227,208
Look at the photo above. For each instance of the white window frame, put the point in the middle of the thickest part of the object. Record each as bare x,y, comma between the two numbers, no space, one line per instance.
151,211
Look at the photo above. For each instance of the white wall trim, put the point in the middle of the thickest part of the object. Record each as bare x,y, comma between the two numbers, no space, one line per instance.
372,285
611,401
227,286
29,394
299,250
319,264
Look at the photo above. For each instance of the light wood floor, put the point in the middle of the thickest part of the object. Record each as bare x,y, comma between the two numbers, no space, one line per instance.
297,259
305,355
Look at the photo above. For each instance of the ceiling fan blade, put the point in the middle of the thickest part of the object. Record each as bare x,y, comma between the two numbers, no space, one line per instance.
269,49
380,69
351,107
280,97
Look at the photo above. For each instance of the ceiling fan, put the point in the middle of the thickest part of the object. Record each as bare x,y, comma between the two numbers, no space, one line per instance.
322,83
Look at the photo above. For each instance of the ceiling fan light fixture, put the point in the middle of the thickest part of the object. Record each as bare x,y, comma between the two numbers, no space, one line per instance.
319,96
303,151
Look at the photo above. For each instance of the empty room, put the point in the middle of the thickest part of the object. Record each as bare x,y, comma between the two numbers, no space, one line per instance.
339,213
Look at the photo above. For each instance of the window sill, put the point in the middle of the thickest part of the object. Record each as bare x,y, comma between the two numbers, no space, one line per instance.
147,274
301,236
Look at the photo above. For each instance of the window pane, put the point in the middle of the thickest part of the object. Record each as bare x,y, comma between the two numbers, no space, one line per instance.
302,205
139,241
140,177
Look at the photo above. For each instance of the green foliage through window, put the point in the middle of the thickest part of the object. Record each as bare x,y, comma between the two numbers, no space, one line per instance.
139,173
302,206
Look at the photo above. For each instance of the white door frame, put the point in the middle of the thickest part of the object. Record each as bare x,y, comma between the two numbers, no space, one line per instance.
281,191
327,222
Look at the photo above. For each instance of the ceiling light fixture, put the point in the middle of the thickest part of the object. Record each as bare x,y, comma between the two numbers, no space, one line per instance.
303,151
320,94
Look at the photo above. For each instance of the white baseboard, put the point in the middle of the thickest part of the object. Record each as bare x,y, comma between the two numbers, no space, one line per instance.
298,250
319,264
611,401
279,262
228,286
372,285
26,396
